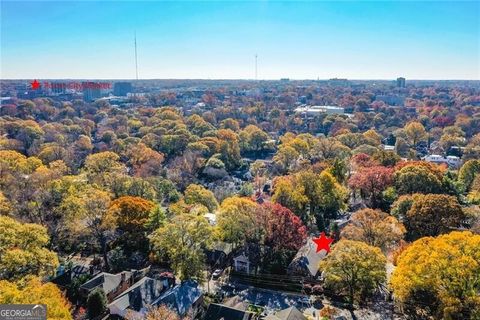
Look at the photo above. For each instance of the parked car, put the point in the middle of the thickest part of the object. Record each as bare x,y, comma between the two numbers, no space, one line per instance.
217,273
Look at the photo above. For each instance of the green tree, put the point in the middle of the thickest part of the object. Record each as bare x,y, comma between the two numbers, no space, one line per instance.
5,205
433,214
320,193
90,218
101,168
231,124
401,147
328,149
235,219
416,179
468,172
28,132
290,195
285,158
197,194
182,242
253,139
198,126
386,158
331,198
96,303
415,132
229,148
372,137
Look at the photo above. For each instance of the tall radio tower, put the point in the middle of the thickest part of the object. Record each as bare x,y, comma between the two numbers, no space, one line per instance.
256,69
136,62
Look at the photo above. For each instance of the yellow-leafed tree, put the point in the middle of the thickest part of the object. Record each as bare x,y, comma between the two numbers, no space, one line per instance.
35,292
22,250
354,269
440,277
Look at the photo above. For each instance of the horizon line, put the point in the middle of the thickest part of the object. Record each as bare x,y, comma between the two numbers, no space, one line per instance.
239,79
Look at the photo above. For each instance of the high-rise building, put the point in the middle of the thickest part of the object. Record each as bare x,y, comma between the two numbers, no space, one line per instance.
400,82
122,88
91,91
58,87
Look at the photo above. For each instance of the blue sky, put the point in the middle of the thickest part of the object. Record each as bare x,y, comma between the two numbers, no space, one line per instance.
218,40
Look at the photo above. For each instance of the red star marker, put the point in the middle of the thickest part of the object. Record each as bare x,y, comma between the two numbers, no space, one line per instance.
35,84
323,243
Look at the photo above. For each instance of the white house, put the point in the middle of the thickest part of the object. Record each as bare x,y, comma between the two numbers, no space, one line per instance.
241,263
311,111
451,161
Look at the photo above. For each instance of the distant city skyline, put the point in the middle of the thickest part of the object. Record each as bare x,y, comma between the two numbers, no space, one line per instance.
379,40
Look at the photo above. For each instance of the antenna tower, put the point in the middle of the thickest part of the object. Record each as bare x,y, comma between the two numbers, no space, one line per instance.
136,61
256,69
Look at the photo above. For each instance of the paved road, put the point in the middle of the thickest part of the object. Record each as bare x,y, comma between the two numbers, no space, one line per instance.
269,299
277,300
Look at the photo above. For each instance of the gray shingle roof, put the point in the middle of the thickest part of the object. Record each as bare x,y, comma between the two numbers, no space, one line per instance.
181,298
140,295
308,258
217,312
291,313
107,281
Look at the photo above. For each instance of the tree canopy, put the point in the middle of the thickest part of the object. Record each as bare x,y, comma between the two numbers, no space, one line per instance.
33,291
354,268
23,250
439,277
375,228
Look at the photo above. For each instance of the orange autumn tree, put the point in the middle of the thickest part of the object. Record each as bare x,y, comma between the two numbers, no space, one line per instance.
129,216
130,213
144,161
375,228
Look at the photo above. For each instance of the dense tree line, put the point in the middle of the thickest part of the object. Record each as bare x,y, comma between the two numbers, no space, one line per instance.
133,185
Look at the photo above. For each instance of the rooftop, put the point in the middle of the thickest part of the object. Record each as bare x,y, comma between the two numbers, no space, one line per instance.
218,312
307,257
108,281
138,296
181,298
291,313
